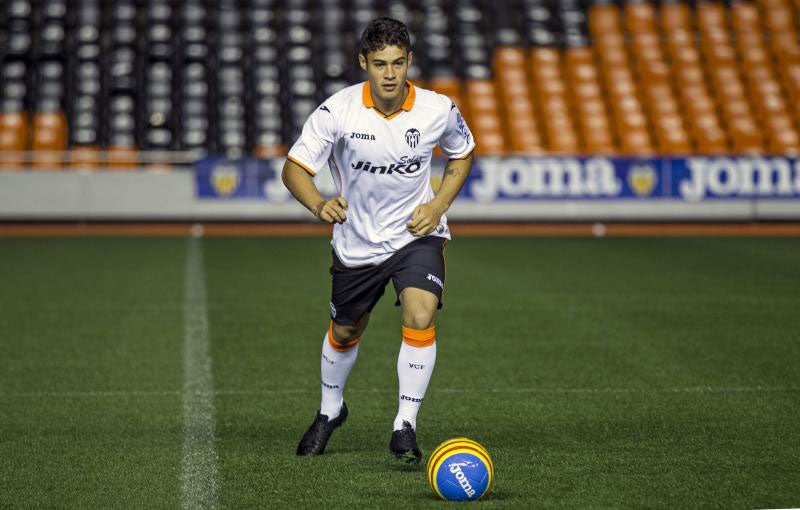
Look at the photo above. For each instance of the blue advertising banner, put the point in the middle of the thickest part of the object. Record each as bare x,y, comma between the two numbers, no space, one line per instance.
691,180
509,179
233,179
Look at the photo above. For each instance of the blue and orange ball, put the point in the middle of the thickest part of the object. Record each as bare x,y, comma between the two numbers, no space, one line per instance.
460,469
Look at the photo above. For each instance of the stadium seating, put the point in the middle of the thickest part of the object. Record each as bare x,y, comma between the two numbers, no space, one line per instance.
90,84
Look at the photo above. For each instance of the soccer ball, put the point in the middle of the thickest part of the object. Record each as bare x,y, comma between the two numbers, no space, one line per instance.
460,469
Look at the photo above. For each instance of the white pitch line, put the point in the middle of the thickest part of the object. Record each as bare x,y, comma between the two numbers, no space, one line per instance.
199,467
300,391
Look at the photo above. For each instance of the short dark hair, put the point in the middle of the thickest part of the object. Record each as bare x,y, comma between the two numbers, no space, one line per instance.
383,32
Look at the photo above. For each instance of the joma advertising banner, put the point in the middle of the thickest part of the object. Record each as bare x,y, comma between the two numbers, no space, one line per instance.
508,179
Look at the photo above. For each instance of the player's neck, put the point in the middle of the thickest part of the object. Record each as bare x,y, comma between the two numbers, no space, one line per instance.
388,108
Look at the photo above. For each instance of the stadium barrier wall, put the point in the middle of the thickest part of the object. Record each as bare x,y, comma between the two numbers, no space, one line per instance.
498,189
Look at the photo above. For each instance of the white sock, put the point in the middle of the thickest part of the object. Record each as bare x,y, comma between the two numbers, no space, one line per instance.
414,368
335,367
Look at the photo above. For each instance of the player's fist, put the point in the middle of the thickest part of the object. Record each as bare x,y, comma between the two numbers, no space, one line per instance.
332,211
424,219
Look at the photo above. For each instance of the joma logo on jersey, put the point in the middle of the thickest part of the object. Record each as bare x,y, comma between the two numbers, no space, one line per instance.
400,167
362,136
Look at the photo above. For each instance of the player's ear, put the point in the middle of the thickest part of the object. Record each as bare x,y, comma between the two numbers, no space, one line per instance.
362,61
410,58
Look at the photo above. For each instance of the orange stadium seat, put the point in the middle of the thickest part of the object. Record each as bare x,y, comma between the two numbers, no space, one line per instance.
640,17
122,158
671,136
719,53
745,17
270,151
86,156
588,102
547,70
636,142
710,16
767,102
786,47
782,136
604,19
14,133
779,18
49,140
450,86
516,99
482,103
675,16
746,136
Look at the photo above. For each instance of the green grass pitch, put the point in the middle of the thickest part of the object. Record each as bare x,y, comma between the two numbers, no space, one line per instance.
599,373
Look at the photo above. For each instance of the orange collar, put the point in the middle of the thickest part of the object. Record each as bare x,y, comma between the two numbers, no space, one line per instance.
366,97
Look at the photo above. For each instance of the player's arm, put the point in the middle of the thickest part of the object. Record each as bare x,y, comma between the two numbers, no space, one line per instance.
457,143
302,187
426,216
455,175
307,155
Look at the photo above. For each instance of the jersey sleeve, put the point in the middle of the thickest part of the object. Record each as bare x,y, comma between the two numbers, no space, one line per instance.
314,146
456,141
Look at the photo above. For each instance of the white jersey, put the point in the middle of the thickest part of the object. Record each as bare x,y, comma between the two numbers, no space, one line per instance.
381,164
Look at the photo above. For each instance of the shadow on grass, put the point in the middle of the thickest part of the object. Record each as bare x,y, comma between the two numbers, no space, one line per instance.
493,495
404,467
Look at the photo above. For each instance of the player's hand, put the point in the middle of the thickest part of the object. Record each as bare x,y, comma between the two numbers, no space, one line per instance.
424,219
332,211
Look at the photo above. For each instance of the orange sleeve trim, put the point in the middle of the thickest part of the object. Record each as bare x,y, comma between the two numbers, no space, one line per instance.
341,347
301,165
419,337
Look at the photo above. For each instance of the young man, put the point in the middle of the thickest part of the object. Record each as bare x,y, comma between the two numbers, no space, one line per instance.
378,137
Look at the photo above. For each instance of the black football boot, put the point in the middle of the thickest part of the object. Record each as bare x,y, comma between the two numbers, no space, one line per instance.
404,444
316,437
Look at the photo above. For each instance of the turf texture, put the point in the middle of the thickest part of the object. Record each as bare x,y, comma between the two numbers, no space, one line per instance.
599,373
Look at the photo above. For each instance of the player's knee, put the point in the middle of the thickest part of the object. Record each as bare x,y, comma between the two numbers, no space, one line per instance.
419,319
343,333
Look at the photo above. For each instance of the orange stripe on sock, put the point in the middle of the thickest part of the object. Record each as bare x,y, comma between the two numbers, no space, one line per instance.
341,347
419,337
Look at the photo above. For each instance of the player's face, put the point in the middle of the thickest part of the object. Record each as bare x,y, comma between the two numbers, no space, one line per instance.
387,70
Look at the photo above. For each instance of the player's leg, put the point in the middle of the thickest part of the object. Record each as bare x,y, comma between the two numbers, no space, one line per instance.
419,281
339,353
417,352
354,293
415,364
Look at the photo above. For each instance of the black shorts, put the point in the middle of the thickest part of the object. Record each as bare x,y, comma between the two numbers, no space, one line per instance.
356,290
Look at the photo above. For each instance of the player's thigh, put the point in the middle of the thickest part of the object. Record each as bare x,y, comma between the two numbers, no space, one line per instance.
354,293
418,277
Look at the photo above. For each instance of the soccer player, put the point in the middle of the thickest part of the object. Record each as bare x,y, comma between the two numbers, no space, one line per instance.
378,137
